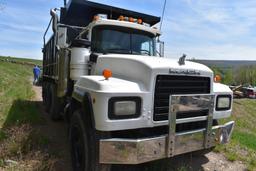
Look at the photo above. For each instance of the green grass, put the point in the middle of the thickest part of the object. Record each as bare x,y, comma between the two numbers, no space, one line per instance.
18,112
32,61
2,135
245,139
15,95
243,142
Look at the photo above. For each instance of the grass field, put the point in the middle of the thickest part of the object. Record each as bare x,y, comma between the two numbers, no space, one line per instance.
32,61
18,114
15,88
243,143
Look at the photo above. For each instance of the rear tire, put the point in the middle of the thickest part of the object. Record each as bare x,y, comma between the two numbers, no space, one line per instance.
84,142
47,97
55,104
44,91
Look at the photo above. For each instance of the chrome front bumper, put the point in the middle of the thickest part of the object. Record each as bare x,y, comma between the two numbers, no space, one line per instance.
136,151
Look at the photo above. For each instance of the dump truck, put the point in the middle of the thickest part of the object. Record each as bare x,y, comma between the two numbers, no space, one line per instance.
126,103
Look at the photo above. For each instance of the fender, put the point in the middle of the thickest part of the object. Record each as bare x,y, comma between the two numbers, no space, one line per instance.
86,105
102,90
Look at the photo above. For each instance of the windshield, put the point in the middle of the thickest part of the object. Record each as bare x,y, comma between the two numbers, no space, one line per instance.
109,39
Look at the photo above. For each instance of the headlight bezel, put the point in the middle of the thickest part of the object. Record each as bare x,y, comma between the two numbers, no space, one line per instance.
223,108
111,107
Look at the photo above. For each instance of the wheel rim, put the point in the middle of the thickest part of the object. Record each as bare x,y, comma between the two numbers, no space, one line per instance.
77,147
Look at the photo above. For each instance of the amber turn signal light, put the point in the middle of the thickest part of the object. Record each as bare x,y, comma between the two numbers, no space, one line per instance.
96,18
121,18
217,78
107,73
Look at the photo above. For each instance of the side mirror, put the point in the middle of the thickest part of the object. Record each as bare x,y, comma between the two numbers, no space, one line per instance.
161,48
81,43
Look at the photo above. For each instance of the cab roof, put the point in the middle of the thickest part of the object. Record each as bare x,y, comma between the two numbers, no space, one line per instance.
81,13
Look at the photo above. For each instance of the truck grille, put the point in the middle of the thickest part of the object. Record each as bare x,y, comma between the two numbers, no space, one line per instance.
167,85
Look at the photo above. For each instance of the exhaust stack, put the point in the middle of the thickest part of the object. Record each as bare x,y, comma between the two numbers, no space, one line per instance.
54,19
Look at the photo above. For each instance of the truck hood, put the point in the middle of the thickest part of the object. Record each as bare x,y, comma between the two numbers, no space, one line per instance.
143,69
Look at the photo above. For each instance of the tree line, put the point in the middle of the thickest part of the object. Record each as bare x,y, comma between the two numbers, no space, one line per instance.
245,75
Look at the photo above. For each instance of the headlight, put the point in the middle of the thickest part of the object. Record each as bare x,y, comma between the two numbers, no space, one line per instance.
124,107
223,102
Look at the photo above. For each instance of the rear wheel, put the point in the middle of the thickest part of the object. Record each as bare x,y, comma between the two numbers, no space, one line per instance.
84,145
47,98
44,92
55,104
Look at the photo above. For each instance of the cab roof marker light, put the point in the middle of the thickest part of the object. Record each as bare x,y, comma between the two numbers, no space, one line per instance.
130,19
100,16
146,24
139,21
103,16
96,18
121,18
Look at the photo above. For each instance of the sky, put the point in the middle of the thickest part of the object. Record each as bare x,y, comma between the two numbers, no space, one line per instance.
202,29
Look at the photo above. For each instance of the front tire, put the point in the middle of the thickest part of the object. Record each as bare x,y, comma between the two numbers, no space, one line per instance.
84,143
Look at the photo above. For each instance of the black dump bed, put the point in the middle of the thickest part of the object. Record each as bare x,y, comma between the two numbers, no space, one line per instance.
81,13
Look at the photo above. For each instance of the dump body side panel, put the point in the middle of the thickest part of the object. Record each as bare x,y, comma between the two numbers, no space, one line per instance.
50,60
81,12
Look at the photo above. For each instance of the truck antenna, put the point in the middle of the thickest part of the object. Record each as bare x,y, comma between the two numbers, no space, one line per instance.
162,18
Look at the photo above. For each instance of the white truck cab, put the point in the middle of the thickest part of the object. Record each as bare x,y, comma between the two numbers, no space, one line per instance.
125,102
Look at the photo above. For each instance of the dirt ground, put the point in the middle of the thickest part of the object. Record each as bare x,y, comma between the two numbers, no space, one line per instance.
58,141
57,135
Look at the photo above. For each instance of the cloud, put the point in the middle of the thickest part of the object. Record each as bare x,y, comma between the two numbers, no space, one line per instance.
215,52
22,25
211,29
200,28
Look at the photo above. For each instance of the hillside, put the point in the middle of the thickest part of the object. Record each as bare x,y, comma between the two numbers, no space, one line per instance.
21,60
226,63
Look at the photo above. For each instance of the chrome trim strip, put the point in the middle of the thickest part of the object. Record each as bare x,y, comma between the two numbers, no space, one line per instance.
195,119
173,108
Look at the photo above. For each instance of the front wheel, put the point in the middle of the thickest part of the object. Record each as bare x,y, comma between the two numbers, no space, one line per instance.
84,145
